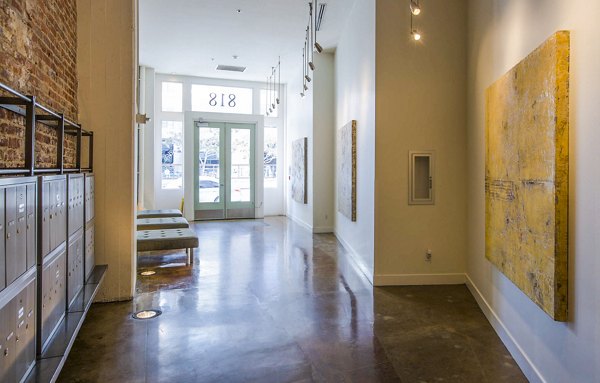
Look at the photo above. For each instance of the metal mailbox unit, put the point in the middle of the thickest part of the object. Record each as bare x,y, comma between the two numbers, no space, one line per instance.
17,277
52,256
90,260
75,244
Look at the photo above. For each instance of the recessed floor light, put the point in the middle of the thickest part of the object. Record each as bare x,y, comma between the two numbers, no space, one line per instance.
148,273
146,314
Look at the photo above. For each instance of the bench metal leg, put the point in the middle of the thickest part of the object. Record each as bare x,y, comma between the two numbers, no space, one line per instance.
190,255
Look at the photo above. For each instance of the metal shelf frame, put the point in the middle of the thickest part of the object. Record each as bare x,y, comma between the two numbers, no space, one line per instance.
34,112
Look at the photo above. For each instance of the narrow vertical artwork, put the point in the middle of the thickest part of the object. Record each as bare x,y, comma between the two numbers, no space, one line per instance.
527,175
346,187
299,170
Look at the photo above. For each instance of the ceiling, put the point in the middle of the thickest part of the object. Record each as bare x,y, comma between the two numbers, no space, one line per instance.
192,37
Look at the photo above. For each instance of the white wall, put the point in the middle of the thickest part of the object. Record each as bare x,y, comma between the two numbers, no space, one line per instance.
501,33
299,124
324,143
157,198
355,100
149,155
313,117
106,71
420,105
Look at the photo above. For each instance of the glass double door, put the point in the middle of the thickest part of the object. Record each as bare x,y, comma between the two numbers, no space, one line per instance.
224,170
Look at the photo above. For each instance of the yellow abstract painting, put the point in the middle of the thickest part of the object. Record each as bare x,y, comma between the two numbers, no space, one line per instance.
527,174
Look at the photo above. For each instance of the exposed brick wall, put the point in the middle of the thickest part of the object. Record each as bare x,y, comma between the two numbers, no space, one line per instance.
38,56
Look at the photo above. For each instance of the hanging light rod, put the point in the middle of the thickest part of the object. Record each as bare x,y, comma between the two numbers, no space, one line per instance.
318,46
273,91
279,79
311,33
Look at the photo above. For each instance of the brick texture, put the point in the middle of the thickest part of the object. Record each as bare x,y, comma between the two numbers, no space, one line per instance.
38,56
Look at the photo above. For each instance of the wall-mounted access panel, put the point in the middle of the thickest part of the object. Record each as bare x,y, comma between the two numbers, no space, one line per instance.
75,195
421,180
53,213
17,328
53,294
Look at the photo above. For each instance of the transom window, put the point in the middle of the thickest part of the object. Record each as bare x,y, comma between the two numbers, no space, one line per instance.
221,99
172,97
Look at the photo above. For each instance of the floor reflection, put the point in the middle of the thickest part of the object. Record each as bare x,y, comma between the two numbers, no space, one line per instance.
267,301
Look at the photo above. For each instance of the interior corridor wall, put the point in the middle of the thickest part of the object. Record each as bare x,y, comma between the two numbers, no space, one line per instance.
324,142
149,138
312,116
501,33
420,105
299,124
355,100
106,73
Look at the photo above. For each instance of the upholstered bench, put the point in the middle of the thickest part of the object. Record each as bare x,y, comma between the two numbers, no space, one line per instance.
162,223
168,239
159,213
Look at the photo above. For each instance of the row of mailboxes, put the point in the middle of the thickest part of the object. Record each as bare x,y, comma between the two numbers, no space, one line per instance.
64,274
17,332
34,300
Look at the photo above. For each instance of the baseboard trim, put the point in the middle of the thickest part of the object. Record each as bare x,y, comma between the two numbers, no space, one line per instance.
301,223
322,230
517,352
419,279
355,259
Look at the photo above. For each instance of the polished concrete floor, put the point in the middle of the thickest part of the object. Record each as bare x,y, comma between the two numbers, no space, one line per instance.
267,301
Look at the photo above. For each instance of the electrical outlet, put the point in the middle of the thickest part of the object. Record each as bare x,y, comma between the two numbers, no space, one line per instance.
428,255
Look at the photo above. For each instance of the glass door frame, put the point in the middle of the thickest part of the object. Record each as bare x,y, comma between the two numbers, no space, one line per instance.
224,208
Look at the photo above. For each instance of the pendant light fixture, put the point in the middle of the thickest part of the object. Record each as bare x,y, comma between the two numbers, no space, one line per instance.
273,88
317,45
307,47
311,38
279,80
304,87
415,10
267,98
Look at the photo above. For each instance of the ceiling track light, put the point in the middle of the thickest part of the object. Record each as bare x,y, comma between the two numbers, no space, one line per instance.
307,48
318,46
279,80
415,9
273,89
311,37
274,73
304,87
266,99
